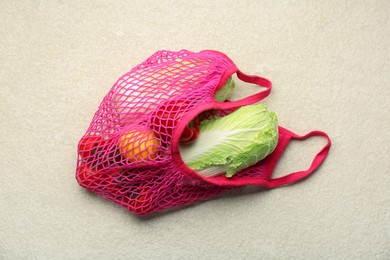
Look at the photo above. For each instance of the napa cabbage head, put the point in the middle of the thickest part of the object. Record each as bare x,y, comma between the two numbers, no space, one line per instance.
228,144
226,91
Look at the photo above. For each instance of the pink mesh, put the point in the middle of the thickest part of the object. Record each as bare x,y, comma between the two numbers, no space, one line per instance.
129,154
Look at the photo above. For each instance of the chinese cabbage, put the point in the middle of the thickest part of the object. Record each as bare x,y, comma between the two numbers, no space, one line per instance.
225,92
228,144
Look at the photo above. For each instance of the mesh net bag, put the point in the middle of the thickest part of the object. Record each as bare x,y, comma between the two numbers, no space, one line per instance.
130,152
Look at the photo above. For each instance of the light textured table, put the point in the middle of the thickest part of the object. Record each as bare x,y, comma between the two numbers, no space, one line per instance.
329,63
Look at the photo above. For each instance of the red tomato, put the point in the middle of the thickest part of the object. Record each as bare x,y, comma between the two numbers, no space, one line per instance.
85,175
89,178
88,144
139,203
190,133
168,114
167,118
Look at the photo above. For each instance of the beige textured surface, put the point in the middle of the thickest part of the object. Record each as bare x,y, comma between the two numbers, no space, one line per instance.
329,63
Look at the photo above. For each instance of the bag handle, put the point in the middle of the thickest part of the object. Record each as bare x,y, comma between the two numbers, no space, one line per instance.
299,175
263,82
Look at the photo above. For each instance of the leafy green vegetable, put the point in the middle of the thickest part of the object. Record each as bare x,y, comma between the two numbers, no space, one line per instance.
231,143
225,92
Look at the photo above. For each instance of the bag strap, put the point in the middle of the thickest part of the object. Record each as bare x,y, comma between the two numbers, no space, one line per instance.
263,82
299,175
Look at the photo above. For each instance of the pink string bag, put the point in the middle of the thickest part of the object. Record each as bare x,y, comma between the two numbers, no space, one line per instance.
130,152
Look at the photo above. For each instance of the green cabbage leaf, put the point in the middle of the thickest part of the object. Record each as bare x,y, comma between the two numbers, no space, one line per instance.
225,92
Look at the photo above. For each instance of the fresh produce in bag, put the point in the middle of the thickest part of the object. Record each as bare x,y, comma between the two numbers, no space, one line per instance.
166,135
229,144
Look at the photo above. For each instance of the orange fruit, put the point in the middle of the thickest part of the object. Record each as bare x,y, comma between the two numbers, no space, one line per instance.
138,146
